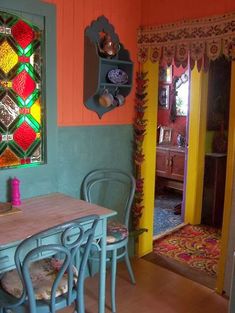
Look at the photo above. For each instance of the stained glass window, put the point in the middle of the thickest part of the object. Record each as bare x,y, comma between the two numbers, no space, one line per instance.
21,107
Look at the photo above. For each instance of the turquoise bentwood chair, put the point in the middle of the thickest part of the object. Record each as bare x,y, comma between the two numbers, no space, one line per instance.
49,277
114,189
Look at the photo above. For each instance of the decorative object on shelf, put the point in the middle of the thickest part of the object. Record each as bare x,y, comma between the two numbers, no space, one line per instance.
15,192
180,140
119,98
107,65
117,76
165,74
106,98
139,134
107,48
165,135
164,96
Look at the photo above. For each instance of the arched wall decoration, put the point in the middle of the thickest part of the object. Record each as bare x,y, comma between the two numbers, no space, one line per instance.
201,39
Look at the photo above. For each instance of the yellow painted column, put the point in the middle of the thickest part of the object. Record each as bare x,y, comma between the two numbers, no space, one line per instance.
149,150
196,146
228,185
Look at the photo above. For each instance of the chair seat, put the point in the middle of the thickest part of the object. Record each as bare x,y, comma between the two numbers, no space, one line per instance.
43,274
116,232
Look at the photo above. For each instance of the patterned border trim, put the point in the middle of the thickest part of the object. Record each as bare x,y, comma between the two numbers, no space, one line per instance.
203,39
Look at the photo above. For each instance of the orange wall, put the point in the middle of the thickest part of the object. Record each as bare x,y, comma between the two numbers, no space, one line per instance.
72,18
126,16
157,12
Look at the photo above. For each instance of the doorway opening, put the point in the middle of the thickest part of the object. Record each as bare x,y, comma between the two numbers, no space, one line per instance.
213,186
173,100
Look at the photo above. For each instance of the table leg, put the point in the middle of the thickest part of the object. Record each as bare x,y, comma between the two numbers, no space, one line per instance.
102,269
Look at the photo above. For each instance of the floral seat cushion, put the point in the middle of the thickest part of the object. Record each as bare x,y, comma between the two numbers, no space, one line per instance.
43,274
116,232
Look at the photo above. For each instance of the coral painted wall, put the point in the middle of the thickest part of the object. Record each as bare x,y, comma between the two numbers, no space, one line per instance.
158,12
72,18
177,127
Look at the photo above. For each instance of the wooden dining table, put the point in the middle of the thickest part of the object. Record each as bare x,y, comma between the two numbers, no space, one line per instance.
42,212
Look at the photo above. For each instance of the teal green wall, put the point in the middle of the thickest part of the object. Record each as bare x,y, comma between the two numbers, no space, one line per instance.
82,149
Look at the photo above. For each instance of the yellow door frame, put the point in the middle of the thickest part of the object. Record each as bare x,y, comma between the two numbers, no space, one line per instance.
196,146
195,167
149,150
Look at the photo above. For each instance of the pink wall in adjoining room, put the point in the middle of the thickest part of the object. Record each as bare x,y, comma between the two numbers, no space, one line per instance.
179,125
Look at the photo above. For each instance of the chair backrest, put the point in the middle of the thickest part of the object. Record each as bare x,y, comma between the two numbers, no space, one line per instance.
73,242
112,188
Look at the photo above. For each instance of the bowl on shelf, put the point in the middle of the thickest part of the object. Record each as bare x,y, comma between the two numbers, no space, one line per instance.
117,76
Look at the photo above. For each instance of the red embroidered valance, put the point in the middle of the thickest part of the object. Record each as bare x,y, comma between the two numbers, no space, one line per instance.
201,39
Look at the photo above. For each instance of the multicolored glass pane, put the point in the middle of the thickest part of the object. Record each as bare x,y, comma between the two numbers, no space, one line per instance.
23,85
8,158
21,120
8,57
35,111
24,136
8,110
22,33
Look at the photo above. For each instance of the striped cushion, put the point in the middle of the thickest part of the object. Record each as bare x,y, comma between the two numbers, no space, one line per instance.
43,274
116,232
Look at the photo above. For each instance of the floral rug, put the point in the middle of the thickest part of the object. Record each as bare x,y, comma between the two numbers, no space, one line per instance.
195,246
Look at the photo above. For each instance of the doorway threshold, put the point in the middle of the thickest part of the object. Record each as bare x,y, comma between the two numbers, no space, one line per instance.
169,231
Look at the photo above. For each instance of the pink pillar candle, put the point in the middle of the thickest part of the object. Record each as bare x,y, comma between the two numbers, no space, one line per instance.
15,192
